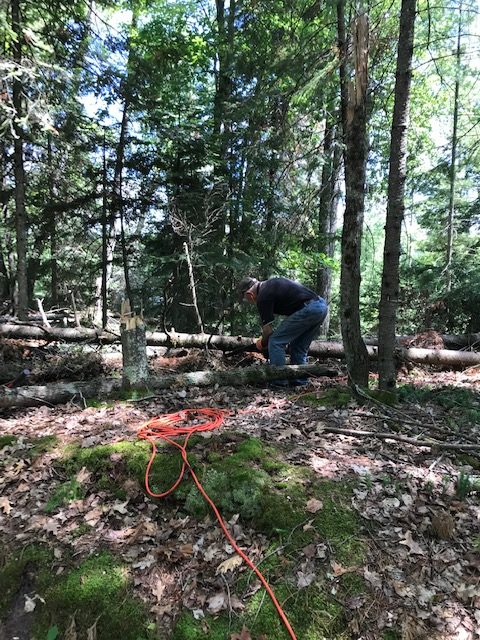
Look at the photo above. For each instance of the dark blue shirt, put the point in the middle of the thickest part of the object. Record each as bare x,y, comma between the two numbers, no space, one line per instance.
281,296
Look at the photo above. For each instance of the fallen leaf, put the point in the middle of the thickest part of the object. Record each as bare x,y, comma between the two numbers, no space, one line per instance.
51,526
289,433
93,516
186,550
120,507
229,564
314,505
217,602
413,546
158,589
83,475
5,505
373,578
243,635
339,570
30,604
304,579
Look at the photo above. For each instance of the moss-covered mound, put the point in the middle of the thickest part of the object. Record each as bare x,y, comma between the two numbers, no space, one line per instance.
94,594
242,476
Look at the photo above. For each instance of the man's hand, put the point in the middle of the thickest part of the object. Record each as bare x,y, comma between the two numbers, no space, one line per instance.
259,344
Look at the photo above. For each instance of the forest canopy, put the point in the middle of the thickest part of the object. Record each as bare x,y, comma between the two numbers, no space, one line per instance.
139,137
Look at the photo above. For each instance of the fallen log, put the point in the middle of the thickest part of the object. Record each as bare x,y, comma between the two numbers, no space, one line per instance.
319,349
104,388
450,341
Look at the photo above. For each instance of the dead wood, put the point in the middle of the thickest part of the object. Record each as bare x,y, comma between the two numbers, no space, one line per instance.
104,388
318,349
432,444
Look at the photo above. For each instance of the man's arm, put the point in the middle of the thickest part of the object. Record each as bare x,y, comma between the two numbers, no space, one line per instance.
266,332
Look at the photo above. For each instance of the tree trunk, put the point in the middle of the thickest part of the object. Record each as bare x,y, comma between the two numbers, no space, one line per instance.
327,214
318,349
53,226
396,204
354,123
134,349
117,196
453,160
103,388
21,302
104,280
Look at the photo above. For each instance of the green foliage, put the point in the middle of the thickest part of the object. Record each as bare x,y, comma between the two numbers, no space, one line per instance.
465,484
463,404
6,441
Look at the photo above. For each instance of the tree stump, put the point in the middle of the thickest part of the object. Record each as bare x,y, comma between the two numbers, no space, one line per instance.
134,349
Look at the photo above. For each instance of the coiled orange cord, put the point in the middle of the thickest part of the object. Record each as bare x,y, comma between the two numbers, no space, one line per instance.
167,427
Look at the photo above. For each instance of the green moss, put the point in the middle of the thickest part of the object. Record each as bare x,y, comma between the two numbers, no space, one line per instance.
338,524
6,441
384,397
337,397
391,634
95,403
124,459
81,530
97,590
352,584
42,445
313,614
65,493
11,573
282,499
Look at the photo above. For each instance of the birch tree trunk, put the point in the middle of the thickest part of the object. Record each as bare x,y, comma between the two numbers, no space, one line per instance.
354,123
396,205
134,348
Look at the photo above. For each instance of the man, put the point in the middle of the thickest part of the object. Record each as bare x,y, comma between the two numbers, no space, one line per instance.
305,312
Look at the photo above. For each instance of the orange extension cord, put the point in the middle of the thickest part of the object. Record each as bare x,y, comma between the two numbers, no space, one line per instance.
169,426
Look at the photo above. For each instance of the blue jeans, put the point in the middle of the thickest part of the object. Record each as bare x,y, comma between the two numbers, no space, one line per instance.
298,331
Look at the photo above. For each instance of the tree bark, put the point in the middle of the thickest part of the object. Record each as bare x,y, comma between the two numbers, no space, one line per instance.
134,349
327,213
318,349
21,303
396,204
354,124
58,393
52,225
453,160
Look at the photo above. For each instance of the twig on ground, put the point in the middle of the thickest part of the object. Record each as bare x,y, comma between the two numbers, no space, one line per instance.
457,446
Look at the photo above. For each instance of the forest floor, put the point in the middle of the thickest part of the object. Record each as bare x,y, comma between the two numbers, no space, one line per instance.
361,536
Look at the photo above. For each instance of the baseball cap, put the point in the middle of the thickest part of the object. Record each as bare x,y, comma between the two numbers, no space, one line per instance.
244,285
